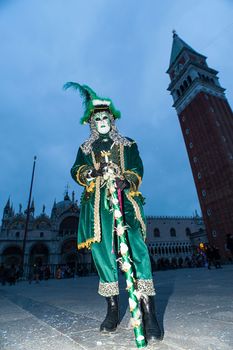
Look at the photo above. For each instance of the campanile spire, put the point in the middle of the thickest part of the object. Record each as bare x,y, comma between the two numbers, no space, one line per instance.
206,121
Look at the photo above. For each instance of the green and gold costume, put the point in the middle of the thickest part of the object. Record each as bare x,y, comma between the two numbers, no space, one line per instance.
96,224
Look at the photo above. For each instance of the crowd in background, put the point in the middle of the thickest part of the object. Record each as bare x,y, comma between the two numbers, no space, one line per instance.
206,256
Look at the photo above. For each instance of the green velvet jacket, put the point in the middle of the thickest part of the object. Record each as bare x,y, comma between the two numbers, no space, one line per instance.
96,216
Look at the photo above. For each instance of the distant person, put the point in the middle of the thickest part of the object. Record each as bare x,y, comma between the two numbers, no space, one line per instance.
59,273
216,258
36,273
2,275
209,255
12,275
47,273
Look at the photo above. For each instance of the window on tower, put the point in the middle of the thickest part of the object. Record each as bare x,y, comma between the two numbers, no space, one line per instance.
214,233
189,79
203,193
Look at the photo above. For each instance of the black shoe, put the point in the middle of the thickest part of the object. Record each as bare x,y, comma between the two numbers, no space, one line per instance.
152,329
112,318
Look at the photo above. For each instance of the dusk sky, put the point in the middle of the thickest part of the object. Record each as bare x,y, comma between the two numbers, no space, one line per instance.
122,50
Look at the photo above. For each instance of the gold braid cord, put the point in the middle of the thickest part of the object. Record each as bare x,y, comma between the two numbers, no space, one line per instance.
96,165
137,212
122,158
130,195
97,227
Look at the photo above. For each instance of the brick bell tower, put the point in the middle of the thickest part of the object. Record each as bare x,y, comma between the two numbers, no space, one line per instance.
206,120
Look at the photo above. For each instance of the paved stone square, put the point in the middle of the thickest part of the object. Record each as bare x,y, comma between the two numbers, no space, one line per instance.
195,308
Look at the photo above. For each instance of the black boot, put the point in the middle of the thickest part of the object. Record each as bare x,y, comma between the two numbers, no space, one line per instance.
112,318
151,326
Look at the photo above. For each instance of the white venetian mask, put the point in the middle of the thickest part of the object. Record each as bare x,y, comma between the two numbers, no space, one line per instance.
102,122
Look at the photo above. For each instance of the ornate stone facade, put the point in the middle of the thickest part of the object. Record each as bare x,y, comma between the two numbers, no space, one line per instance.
51,240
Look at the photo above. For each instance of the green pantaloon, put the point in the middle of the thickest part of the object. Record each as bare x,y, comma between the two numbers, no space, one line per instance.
105,254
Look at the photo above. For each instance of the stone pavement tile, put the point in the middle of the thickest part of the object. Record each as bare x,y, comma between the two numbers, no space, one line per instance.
10,311
31,334
56,317
199,332
21,330
182,342
57,342
120,340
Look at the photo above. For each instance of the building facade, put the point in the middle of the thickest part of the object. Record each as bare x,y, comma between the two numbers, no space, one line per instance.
206,120
51,239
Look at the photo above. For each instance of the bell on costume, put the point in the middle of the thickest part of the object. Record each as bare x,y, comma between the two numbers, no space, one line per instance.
112,318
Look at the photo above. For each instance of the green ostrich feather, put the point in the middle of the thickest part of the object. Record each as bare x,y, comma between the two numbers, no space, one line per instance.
88,96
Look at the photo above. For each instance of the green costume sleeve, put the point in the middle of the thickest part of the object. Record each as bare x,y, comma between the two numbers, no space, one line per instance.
81,168
133,167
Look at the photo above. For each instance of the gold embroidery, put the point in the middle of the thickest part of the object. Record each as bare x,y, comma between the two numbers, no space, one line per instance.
78,175
135,174
86,244
105,155
135,193
90,187
137,212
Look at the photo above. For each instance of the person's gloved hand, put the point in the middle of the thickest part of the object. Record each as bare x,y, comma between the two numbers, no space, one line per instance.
97,172
122,184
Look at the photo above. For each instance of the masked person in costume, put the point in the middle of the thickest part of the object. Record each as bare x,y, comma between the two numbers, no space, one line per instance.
96,222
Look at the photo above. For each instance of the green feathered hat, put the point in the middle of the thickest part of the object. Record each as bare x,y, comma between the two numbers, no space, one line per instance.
92,102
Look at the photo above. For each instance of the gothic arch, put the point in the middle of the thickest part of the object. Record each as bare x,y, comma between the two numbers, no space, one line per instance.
39,254
69,226
12,255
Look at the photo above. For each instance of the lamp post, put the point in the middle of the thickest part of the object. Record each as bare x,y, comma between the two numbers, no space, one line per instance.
27,219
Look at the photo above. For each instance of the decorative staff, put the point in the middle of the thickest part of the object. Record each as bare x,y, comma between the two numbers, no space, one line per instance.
125,260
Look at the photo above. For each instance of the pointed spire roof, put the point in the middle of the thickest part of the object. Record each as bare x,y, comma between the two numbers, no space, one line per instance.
177,46
54,204
7,206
